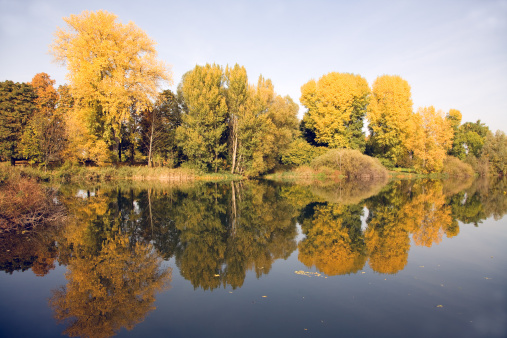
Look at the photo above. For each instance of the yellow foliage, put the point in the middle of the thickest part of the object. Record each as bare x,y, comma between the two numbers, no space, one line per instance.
111,66
336,107
390,117
432,139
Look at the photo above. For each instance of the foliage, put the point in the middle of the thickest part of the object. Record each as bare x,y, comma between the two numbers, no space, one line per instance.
17,105
432,140
25,204
336,108
351,163
201,134
44,137
453,167
301,152
495,150
158,129
390,117
113,74
469,139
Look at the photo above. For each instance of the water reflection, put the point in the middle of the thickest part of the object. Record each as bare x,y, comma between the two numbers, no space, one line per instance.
117,237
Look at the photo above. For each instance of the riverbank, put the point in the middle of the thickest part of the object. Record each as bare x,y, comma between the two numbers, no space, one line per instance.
73,174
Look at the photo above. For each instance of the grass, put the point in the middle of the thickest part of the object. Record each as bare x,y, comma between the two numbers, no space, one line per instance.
68,173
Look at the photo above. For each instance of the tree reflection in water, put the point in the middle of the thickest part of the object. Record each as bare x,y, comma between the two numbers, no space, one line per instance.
117,237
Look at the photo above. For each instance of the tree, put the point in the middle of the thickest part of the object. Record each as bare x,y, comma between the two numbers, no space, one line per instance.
17,105
113,74
495,150
202,132
44,137
336,108
266,129
158,128
432,140
238,104
469,139
390,118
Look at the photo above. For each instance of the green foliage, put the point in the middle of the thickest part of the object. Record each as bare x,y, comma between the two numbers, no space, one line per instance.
17,105
351,163
301,152
158,129
495,150
469,139
454,167
202,132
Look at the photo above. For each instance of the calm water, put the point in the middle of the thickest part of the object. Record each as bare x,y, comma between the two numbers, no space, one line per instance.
257,259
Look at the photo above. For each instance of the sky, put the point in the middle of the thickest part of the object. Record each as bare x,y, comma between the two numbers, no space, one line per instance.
452,53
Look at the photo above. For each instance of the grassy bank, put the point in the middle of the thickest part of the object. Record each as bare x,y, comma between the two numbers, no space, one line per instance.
75,174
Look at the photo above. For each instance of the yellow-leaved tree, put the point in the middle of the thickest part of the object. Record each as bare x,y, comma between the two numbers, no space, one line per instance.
431,141
336,108
391,119
113,73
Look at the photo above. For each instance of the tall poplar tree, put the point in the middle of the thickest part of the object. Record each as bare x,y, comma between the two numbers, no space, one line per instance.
391,119
202,134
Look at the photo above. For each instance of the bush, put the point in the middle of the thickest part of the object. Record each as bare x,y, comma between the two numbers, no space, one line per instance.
454,167
301,152
24,203
351,163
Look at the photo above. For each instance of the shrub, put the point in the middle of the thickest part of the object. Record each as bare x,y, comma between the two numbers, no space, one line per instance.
351,163
24,203
454,167
301,152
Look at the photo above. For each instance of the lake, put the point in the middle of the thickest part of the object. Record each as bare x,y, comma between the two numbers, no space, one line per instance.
420,258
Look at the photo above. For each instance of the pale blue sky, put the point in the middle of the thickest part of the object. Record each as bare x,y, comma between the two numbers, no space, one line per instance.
452,53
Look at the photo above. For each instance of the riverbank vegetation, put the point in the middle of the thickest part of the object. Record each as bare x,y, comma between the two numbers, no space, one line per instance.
114,116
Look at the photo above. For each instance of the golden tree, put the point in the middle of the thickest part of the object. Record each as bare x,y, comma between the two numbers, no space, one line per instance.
390,116
113,72
432,139
336,108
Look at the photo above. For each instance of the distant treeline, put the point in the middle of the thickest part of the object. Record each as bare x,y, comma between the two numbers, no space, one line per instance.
113,111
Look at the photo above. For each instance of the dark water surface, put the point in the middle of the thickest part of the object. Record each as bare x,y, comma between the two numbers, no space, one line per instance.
258,259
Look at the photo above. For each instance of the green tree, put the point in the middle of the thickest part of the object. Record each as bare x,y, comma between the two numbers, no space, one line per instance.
158,129
336,109
202,134
17,106
495,150
44,137
469,139
238,101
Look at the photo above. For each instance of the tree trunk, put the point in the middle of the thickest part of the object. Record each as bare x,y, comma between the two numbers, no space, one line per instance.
234,143
150,160
13,161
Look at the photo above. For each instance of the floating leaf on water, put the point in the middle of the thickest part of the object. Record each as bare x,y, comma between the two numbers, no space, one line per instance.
264,296
440,306
487,278
421,266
